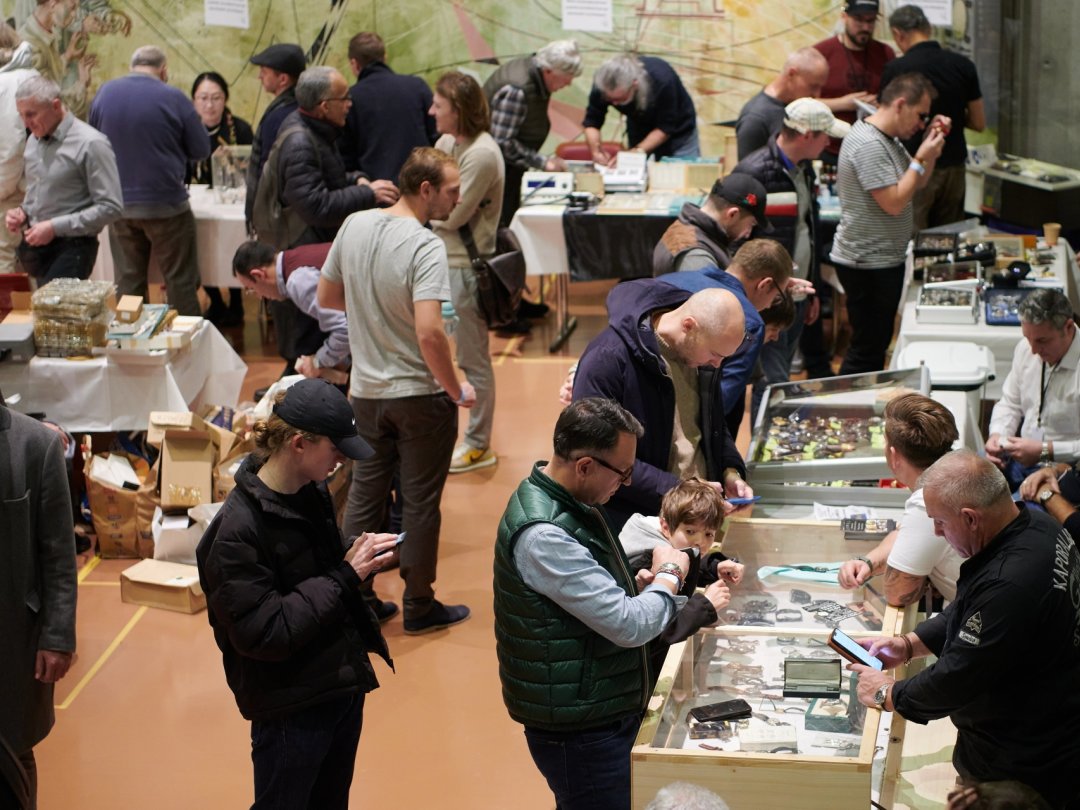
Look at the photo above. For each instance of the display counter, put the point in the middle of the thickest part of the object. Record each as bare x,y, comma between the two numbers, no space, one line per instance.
809,752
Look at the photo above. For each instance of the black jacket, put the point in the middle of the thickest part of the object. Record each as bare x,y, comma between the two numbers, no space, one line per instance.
314,182
284,605
1008,665
693,228
623,363
767,166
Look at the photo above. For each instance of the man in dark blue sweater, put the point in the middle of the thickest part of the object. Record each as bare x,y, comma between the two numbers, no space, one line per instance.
154,131
389,115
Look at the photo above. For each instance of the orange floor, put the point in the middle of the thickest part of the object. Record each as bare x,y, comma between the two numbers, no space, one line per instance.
145,719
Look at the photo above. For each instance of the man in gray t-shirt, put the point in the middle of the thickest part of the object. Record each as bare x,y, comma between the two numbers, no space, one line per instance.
876,181
391,275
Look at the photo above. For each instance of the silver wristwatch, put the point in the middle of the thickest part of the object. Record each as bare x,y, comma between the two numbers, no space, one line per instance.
881,695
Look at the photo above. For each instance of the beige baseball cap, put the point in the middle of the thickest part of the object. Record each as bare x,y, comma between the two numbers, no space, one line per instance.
811,115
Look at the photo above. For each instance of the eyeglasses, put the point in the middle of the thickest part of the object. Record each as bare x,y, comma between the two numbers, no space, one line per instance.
624,475
342,98
217,98
925,117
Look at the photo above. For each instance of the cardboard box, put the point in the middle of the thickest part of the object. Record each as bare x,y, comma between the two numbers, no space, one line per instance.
187,466
177,536
129,308
225,477
113,506
161,421
167,585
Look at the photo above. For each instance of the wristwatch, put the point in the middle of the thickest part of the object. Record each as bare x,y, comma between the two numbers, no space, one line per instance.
881,695
1046,495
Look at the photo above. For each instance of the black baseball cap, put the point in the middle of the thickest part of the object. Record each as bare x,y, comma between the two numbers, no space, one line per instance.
283,57
747,193
319,407
862,7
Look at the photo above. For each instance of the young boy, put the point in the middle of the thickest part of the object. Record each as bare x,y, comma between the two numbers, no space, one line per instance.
689,516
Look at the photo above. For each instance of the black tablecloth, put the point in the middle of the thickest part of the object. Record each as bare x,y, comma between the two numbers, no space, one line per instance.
600,246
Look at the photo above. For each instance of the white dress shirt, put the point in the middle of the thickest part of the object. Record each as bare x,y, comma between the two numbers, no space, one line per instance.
1046,398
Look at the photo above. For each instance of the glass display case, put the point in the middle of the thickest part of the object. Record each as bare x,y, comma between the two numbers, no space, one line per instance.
812,438
812,751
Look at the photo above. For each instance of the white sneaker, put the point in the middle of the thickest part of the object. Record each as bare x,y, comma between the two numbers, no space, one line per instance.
467,458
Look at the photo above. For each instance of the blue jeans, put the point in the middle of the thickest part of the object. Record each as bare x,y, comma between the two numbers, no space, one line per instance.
305,759
587,770
686,146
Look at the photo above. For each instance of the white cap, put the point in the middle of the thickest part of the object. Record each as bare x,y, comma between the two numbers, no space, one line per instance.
811,115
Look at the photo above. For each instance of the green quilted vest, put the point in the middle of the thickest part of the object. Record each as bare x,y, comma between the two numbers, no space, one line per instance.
524,74
556,673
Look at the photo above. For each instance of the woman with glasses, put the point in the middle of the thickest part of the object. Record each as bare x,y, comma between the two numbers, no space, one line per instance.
210,94
462,118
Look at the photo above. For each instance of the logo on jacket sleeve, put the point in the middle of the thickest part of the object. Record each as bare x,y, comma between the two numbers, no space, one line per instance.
972,629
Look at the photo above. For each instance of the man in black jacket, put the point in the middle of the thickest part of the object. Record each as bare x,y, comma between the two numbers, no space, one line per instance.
1008,646
782,166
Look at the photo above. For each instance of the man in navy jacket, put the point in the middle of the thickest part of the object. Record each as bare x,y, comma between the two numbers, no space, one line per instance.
659,358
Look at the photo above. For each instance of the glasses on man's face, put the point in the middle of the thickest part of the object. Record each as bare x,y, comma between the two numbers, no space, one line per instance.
782,294
925,118
339,98
624,475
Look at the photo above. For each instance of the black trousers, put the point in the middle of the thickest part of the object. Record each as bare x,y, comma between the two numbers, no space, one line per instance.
872,300
63,257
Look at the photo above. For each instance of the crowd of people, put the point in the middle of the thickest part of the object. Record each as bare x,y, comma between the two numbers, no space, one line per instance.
367,207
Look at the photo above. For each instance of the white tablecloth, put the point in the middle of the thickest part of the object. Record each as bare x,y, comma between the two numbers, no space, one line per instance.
102,394
539,229
219,231
1000,340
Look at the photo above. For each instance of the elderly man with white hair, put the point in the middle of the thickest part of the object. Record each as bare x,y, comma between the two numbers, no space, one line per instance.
660,115
519,93
72,187
1008,646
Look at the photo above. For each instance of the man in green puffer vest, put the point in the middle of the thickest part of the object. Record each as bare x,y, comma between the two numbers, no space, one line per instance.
570,625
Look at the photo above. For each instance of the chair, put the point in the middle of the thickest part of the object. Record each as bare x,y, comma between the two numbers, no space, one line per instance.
579,150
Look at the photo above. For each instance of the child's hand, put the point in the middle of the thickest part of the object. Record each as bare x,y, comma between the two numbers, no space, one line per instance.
644,578
730,571
718,595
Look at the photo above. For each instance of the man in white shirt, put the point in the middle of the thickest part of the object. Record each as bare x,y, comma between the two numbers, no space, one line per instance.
1042,391
918,431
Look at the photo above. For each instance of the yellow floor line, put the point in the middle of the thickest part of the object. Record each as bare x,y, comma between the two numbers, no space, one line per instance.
103,658
95,584
90,566
510,347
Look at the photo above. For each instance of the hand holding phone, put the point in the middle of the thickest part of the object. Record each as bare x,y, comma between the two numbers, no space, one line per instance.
850,649
400,539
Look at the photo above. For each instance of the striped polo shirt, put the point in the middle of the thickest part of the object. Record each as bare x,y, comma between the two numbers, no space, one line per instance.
867,236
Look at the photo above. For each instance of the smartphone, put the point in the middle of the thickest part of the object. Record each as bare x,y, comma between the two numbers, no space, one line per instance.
852,650
400,539
726,710
742,501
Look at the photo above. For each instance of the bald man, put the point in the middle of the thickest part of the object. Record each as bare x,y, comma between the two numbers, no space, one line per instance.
803,75
660,359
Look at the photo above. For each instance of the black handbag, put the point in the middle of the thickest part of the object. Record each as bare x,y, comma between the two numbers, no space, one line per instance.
500,280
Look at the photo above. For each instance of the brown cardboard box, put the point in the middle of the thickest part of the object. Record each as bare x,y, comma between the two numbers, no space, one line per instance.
129,308
225,477
159,584
187,465
161,421
113,512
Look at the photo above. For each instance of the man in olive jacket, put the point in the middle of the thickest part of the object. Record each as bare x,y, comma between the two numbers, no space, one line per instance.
570,625
38,588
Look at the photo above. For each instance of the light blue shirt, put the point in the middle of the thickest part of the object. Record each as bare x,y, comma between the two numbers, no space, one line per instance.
554,564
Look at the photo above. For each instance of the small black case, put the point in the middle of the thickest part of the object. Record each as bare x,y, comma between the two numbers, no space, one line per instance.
726,710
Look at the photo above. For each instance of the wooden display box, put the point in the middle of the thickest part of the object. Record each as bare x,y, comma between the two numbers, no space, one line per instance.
695,671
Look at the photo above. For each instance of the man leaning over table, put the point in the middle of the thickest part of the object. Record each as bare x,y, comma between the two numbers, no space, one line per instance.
1037,419
1008,646
72,187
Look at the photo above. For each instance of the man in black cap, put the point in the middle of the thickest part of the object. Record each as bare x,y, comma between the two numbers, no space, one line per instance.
283,596
702,236
856,63
279,67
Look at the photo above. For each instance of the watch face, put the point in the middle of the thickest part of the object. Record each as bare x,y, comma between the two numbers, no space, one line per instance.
1046,495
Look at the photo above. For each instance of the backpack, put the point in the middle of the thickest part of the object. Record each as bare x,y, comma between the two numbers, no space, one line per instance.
500,280
274,223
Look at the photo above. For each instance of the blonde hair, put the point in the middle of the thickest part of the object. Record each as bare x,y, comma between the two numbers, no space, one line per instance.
692,501
273,433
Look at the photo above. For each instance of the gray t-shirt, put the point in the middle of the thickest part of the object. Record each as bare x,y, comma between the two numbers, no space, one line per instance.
761,117
867,236
386,263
